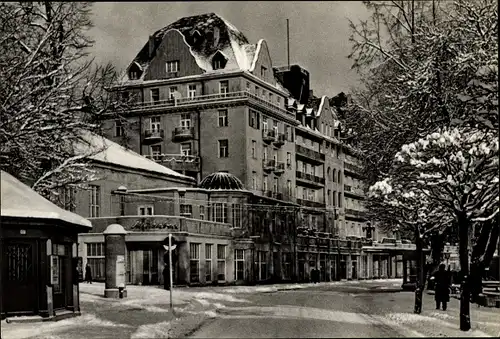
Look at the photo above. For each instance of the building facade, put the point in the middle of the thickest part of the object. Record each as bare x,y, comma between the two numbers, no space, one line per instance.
205,100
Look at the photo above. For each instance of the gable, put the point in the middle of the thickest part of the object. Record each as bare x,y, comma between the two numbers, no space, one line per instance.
172,48
262,58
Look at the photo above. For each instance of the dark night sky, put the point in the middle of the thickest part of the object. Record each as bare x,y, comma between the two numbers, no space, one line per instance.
319,32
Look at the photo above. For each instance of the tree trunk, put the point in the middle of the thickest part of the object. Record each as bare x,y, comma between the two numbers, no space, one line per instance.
420,273
463,235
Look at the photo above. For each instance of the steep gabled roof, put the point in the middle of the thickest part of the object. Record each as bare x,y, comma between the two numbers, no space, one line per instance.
240,54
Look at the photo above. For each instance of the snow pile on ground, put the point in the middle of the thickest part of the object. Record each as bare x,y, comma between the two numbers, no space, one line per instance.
158,330
50,328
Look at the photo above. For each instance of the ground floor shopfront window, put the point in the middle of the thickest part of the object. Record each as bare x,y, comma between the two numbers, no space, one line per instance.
261,266
96,260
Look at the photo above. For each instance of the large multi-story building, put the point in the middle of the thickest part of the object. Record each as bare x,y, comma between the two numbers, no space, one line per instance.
205,100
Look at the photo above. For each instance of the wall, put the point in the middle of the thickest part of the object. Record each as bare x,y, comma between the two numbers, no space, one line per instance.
110,179
172,48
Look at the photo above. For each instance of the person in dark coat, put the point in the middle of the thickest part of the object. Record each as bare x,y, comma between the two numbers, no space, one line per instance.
442,287
88,274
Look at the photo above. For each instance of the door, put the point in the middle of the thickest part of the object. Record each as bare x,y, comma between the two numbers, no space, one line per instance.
150,267
20,276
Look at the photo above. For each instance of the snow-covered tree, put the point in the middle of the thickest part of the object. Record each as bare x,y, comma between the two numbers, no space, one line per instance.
455,171
50,91
423,65
401,206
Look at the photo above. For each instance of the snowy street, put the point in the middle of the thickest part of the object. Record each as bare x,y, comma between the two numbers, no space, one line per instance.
338,309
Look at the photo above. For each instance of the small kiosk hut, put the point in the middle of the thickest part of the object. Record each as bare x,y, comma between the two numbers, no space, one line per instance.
38,254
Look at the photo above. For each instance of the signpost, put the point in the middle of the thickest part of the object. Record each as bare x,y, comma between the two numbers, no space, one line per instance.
170,248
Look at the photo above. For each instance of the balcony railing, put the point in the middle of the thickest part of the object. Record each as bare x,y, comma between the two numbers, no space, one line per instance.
210,98
178,162
268,135
354,192
310,179
352,168
309,203
152,136
355,213
268,165
309,153
180,134
280,140
279,168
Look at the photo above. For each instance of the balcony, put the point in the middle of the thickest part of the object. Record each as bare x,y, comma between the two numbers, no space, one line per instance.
309,154
211,100
355,193
280,140
309,203
353,170
181,134
268,136
268,165
309,180
279,169
178,162
355,214
152,136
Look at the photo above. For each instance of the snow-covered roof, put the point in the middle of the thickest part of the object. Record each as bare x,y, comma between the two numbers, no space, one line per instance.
113,153
241,55
20,201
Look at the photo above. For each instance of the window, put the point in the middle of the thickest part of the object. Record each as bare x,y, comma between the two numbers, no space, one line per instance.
248,86
191,91
194,262
218,63
254,119
145,210
133,75
275,156
222,117
186,148
264,183
68,201
96,260
264,153
118,128
328,173
220,212
289,133
239,264
275,185
340,177
236,208
156,152
289,188
254,149
186,210
155,94
334,175
329,197
223,87
264,124
221,262
261,265
223,148
254,180
185,120
340,199
257,91
95,201
172,66
278,100
289,160
59,251
270,97
263,71
322,128
171,92
202,212
208,262
334,196
155,123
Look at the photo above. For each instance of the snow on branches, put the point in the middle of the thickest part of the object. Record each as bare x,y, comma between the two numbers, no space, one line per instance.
50,90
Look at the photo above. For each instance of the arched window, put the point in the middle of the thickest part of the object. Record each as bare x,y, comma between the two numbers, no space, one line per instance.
334,196
328,173
340,199
334,178
340,177
329,195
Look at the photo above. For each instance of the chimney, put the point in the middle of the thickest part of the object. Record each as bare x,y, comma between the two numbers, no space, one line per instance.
151,45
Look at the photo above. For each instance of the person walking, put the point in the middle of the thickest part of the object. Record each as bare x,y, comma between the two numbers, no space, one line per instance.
442,287
88,274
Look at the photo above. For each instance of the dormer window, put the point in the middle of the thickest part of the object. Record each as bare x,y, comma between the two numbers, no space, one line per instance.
219,60
172,66
134,71
196,36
